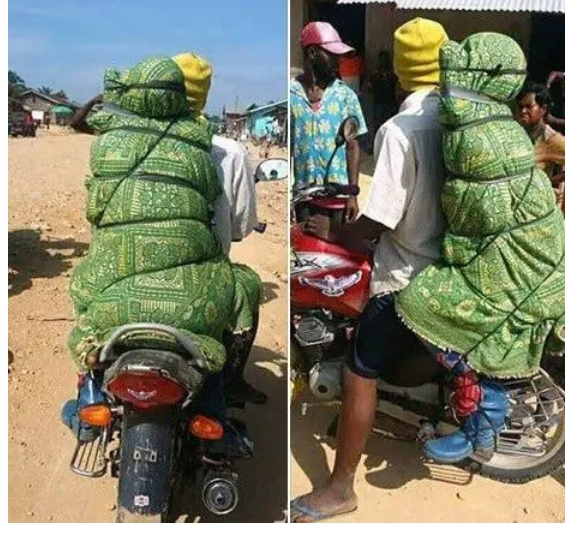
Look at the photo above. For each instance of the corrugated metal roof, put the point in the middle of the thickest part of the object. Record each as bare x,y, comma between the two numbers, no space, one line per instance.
279,104
547,6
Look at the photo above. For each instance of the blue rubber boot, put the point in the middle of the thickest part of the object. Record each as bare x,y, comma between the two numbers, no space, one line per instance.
90,392
479,431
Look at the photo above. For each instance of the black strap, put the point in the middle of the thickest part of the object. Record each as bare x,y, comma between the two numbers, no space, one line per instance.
171,86
482,121
165,179
458,92
494,236
504,231
518,307
142,159
495,180
147,130
494,71
112,225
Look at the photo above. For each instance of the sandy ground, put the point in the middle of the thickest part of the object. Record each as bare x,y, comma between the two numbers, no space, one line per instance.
393,484
48,236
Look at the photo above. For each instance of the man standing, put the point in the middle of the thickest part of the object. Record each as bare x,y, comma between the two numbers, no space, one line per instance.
319,104
404,213
533,109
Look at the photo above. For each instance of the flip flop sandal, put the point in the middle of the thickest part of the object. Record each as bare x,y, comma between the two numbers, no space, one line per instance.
315,515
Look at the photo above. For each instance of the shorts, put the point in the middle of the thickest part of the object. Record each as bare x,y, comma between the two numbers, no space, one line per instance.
381,338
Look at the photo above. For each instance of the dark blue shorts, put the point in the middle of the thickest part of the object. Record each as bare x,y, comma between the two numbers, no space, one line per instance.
381,338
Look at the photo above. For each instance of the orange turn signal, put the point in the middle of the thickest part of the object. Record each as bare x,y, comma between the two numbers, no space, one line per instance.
95,415
206,428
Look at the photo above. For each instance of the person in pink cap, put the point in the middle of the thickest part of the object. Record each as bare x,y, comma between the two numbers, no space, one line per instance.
319,102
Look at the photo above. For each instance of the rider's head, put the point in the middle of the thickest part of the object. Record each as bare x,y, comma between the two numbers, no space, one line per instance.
322,47
416,49
533,103
197,73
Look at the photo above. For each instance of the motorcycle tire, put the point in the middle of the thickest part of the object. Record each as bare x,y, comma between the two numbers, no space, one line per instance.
522,476
522,469
146,466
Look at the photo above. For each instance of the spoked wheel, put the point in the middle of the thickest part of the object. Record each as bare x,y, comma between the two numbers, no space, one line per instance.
533,443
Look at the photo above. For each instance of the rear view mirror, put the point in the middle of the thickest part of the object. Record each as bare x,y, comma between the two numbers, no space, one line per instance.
273,169
348,130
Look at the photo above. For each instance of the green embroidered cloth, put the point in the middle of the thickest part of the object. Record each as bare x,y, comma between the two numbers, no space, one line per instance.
154,256
498,290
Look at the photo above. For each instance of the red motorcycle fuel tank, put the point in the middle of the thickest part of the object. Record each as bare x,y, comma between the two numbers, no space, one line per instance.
328,276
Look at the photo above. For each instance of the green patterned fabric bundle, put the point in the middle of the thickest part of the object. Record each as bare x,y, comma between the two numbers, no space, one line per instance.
153,256
498,291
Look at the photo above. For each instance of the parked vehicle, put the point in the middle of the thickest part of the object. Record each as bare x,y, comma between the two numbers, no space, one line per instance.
21,124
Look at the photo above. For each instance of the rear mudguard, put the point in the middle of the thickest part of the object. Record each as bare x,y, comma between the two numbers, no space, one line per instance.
147,452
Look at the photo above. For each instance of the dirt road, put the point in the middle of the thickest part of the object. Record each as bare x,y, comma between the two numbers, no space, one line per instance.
48,235
394,486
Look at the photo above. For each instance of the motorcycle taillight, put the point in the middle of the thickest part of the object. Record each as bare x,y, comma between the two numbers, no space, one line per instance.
145,390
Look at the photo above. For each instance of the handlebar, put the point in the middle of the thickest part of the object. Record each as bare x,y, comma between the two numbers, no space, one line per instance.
327,190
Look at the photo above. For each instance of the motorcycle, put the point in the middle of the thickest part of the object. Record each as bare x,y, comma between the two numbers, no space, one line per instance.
329,288
152,431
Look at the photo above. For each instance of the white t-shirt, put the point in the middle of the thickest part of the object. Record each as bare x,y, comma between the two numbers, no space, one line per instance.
235,210
405,193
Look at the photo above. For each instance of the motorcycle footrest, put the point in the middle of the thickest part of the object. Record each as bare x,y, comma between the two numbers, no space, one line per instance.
89,457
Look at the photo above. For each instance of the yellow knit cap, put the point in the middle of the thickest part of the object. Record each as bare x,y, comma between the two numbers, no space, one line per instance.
197,73
416,53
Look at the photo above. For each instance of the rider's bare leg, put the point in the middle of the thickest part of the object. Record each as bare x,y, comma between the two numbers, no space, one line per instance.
356,419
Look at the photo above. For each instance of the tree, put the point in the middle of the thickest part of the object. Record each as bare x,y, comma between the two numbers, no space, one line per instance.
60,95
16,84
45,90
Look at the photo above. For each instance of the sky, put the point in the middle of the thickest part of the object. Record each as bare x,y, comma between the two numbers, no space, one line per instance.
67,44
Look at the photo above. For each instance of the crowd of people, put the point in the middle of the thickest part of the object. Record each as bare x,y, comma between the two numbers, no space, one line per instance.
380,86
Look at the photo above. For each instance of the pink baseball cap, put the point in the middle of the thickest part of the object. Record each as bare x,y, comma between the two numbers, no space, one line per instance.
324,35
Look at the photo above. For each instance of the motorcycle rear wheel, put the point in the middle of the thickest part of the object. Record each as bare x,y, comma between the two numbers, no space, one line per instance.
522,468
506,468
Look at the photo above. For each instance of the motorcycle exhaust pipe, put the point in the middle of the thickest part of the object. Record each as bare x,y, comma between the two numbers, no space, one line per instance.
220,494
